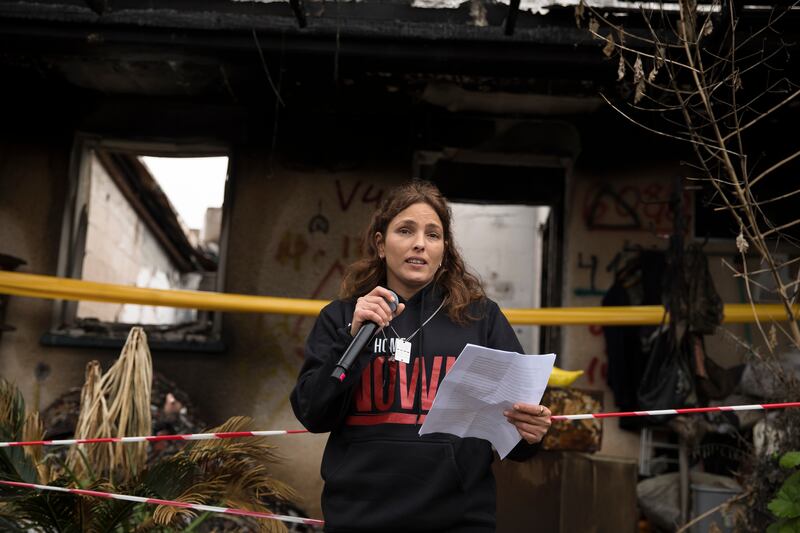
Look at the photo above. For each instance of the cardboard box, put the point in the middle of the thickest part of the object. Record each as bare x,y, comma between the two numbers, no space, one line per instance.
567,492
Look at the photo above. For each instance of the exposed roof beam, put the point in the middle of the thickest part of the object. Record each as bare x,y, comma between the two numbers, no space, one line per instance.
511,18
299,10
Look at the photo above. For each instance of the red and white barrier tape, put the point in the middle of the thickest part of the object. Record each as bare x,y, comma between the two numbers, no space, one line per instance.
155,438
293,519
237,434
156,501
687,411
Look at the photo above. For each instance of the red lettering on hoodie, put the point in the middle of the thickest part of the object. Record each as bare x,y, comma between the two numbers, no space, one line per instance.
429,387
363,391
408,393
369,393
380,394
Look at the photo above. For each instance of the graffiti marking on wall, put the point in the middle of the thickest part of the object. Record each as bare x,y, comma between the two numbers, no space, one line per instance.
318,222
291,248
598,204
592,368
331,276
371,195
596,331
595,363
310,254
591,266
632,207
351,246
617,263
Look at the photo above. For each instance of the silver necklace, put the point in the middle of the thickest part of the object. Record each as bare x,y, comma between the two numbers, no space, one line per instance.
402,347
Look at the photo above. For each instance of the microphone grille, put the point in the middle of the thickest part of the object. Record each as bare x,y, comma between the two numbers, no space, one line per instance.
394,301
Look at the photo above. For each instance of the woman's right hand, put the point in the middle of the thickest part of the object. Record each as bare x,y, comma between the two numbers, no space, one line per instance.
374,307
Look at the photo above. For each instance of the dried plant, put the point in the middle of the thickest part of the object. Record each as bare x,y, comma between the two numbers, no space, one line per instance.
689,72
708,76
234,471
230,472
116,404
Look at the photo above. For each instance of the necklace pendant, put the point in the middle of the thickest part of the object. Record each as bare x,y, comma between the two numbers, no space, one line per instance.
402,351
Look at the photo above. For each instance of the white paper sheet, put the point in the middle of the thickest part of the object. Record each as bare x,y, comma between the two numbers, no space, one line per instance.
479,387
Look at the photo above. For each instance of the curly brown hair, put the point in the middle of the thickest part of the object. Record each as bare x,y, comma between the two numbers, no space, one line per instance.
460,287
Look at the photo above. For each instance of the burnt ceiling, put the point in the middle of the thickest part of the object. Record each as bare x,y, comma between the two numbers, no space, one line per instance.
227,68
231,51
228,50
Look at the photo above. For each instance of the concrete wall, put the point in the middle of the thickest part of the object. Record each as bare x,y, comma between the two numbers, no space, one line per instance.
33,190
603,208
212,226
291,234
594,236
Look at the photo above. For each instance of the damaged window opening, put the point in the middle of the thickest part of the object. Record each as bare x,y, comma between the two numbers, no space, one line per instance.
147,216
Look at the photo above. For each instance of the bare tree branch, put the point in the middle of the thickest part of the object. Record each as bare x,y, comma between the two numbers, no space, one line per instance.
634,51
775,167
648,128
765,113
769,25
781,228
763,270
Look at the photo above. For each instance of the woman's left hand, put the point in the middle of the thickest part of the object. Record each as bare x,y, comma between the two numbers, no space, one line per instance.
532,421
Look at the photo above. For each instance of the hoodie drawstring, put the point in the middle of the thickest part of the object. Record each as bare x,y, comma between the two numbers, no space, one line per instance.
421,356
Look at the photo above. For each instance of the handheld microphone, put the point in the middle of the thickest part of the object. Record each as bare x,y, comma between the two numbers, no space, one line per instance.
363,335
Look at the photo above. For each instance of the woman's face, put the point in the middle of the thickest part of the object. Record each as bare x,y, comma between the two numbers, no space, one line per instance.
413,248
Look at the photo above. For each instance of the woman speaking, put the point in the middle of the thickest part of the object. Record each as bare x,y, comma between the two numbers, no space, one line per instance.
379,474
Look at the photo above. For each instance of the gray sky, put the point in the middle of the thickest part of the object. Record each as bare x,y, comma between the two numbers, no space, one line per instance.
192,184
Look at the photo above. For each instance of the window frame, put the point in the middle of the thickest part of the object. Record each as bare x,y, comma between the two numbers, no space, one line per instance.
72,240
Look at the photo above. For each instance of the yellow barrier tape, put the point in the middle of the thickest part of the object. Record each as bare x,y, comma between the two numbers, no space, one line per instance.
51,287
56,288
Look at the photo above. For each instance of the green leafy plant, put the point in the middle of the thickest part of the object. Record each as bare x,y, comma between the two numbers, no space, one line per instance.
231,472
786,504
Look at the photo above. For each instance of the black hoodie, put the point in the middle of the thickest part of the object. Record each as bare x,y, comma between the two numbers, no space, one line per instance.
380,474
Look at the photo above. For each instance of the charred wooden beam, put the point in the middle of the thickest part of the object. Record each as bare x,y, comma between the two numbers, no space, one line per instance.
299,10
511,18
7,262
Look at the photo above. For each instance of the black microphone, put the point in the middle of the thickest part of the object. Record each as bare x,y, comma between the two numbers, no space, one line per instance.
363,335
